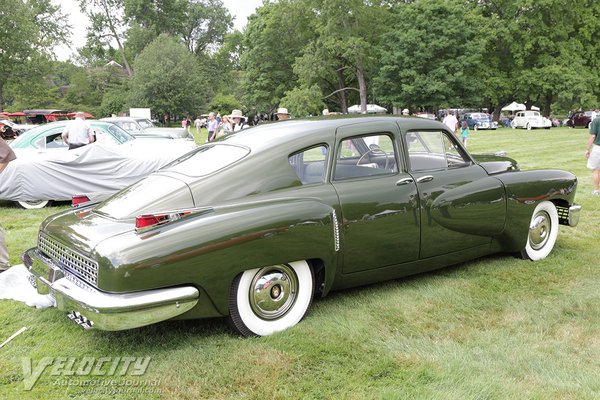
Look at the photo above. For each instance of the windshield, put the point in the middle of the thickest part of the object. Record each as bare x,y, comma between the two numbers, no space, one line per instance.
144,123
118,133
206,160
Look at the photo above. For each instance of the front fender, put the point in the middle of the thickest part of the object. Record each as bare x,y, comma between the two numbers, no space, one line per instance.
524,191
209,250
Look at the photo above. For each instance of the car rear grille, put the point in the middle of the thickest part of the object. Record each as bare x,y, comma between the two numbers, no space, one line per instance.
71,261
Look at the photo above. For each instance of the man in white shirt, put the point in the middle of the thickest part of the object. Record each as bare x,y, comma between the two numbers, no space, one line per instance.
451,122
78,132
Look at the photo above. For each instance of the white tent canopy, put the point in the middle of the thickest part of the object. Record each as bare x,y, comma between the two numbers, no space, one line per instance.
371,109
514,106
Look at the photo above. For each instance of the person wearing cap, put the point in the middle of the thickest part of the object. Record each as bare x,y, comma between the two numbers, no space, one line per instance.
283,114
238,120
78,132
6,155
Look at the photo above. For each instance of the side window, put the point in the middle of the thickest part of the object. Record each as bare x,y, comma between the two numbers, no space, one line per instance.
365,156
310,165
434,150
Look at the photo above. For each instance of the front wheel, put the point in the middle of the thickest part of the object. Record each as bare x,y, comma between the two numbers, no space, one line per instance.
270,299
528,127
543,231
33,204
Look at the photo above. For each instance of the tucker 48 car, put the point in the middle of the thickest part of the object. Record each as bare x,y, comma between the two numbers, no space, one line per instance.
252,226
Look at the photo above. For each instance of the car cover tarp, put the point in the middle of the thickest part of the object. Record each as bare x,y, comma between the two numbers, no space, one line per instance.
58,175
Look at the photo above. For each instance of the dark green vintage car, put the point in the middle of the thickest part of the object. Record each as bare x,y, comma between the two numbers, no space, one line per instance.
253,225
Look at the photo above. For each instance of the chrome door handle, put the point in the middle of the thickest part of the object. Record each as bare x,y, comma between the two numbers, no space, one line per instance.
425,178
404,181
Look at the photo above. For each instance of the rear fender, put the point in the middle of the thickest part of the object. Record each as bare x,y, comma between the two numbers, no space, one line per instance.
211,249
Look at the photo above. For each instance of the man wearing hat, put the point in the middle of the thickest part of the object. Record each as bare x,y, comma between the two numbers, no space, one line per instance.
283,114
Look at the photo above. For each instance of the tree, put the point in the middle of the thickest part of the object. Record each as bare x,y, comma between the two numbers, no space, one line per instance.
348,32
303,101
29,31
205,25
168,84
273,38
107,25
431,59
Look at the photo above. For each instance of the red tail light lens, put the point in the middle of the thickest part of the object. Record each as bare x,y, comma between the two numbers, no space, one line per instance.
147,221
79,199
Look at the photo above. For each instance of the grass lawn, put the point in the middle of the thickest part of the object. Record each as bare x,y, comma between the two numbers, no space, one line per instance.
494,328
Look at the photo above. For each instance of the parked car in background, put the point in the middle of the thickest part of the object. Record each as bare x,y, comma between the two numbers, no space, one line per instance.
133,126
581,119
45,170
48,136
480,121
252,226
530,119
8,130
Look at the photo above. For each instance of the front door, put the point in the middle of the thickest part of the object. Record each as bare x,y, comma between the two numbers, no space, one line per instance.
461,206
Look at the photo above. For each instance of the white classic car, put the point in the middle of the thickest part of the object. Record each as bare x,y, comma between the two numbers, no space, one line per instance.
143,127
530,119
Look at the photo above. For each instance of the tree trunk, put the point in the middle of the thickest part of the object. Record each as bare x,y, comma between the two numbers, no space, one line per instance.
362,87
342,93
115,35
547,105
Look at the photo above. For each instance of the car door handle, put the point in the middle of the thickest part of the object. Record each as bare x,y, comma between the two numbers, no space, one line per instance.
404,181
425,178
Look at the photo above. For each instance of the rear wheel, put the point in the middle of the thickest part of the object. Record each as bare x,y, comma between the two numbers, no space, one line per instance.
543,231
270,299
33,204
528,127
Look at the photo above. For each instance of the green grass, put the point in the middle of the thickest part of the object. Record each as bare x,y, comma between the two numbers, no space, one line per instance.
493,328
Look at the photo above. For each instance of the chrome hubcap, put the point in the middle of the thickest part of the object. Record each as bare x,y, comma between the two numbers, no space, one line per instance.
539,230
273,291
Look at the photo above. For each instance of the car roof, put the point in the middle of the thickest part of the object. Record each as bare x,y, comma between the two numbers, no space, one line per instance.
316,129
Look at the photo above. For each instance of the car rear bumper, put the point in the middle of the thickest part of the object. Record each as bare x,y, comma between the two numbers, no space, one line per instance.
92,308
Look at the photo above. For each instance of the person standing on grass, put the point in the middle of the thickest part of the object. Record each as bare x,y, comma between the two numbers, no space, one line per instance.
464,132
78,132
198,124
593,154
212,126
6,156
451,122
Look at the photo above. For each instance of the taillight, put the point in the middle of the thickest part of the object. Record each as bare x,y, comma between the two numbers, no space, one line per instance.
79,199
148,221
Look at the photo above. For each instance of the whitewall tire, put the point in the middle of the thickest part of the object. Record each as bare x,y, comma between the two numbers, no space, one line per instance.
33,204
543,231
270,299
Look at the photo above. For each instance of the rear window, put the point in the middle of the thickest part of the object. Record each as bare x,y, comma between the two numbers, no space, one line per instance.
207,159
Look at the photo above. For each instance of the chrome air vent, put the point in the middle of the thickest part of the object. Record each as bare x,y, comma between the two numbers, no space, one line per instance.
69,260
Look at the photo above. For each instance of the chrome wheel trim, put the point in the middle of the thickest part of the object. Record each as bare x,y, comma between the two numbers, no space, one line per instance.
539,230
542,233
273,291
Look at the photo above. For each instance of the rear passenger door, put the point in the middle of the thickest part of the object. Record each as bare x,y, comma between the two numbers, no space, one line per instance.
379,203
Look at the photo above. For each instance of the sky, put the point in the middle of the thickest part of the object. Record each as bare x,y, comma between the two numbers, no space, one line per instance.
239,9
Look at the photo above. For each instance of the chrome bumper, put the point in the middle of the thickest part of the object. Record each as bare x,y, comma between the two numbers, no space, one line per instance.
92,308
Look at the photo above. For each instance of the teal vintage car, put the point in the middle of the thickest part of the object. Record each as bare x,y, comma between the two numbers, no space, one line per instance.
252,226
